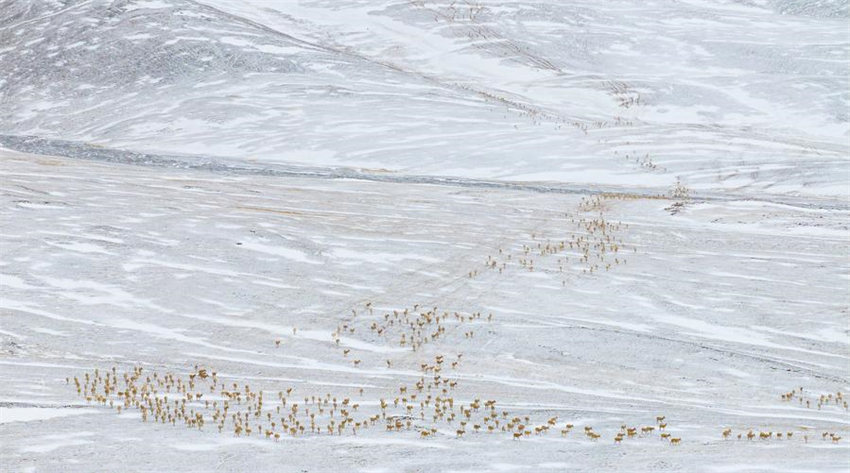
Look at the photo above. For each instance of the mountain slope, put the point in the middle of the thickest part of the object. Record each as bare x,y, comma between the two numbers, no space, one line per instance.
723,95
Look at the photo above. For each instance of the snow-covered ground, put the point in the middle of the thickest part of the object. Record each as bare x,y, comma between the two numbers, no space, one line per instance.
727,95
595,213
714,313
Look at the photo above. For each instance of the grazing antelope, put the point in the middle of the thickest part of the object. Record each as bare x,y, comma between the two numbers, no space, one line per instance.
675,440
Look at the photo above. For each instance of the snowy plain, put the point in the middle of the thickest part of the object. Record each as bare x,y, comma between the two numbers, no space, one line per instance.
225,184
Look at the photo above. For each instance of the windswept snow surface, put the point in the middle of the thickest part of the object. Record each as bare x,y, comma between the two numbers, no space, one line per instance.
186,183
726,95
717,311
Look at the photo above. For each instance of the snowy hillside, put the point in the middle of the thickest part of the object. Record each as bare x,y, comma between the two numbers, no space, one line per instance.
727,95
376,236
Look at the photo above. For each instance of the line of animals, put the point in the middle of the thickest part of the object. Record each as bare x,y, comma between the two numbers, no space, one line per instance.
788,435
836,399
200,399
430,407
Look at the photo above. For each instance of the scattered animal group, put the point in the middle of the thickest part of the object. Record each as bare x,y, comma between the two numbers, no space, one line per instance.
431,405
410,327
594,245
823,400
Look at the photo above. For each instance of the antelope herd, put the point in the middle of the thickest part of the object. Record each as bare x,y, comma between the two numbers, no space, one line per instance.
429,406
202,399
410,327
835,400
593,246
788,435
823,400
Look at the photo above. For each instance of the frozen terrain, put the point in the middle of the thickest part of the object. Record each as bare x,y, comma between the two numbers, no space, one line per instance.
748,95
585,214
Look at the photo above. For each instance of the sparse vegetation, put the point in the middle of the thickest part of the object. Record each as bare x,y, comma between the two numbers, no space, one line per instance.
681,196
